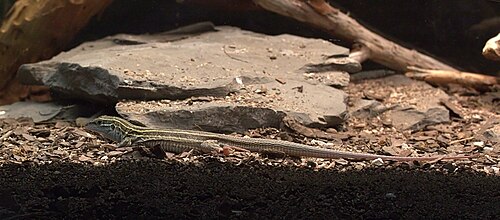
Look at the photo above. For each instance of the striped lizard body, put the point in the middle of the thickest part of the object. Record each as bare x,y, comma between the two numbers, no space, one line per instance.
176,140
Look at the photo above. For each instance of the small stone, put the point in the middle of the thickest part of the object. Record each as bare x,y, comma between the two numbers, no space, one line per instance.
238,80
390,195
496,170
261,90
477,117
487,149
318,142
377,162
329,145
128,82
478,143
342,161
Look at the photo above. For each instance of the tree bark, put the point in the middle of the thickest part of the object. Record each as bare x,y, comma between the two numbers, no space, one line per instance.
445,77
491,49
35,30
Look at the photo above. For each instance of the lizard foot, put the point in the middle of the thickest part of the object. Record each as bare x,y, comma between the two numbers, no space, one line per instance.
227,150
211,146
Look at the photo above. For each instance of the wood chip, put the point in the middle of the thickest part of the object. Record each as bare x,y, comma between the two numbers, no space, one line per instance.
59,152
28,137
84,158
453,108
6,135
83,133
114,153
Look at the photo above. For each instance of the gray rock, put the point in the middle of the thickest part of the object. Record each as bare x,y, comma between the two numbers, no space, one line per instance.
173,66
253,79
37,111
71,80
256,105
490,131
365,108
47,111
413,111
414,119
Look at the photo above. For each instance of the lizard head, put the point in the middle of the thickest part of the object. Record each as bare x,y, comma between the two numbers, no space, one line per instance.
110,127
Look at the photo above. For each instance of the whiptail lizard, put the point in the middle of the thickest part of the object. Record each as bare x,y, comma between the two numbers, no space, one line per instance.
176,140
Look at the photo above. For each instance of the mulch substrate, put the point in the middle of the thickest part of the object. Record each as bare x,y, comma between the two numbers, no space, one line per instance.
60,170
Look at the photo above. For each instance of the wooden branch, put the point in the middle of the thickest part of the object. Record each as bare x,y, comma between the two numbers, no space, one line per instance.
321,14
491,49
444,77
228,5
351,63
359,53
36,30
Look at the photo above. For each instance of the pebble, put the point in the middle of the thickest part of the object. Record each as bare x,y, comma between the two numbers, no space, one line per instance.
496,170
487,149
318,142
377,162
390,195
478,143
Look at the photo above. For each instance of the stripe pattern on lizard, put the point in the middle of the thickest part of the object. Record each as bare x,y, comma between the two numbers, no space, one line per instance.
176,140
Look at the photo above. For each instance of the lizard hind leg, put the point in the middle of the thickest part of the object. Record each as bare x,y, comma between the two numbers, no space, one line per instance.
211,146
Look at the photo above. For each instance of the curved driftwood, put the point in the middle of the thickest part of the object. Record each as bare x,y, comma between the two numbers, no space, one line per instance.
369,44
446,77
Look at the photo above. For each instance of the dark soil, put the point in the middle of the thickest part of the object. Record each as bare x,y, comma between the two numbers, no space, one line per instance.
168,189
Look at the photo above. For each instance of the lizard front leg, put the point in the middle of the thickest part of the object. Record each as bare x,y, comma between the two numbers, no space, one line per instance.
128,141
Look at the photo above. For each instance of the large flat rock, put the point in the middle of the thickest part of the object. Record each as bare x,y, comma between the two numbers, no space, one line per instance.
166,66
202,61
